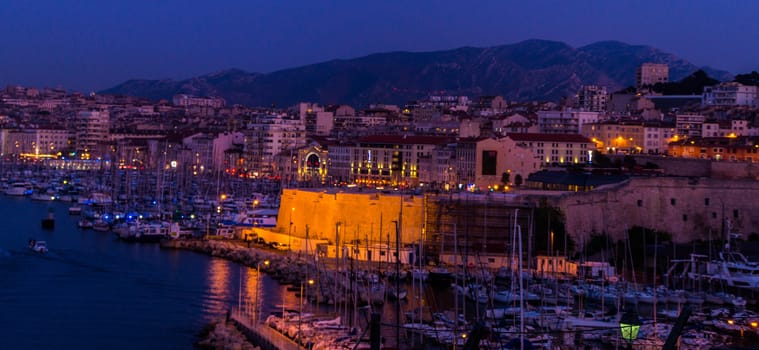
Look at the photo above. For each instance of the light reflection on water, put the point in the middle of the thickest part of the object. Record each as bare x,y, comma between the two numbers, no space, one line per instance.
92,291
218,275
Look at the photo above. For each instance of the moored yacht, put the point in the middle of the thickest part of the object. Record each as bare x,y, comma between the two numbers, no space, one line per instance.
20,189
730,267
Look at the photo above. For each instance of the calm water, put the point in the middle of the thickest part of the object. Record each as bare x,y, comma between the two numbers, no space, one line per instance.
91,291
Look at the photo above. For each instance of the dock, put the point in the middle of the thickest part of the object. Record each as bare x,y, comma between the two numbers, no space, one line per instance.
262,335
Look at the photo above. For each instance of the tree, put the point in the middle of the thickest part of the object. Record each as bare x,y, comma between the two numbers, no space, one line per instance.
690,85
600,160
550,220
518,180
629,162
748,79
505,178
598,242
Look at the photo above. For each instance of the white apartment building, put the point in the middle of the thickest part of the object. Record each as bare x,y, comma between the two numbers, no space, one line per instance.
192,101
268,136
730,94
657,137
565,122
732,128
556,148
316,119
92,132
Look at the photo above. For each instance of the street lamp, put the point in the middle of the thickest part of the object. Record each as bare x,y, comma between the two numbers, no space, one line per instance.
629,325
290,232
300,317
258,285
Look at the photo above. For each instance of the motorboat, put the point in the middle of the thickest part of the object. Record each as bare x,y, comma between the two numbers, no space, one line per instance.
731,268
75,210
38,246
20,189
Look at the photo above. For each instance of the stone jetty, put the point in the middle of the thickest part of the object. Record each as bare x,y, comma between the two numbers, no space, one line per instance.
287,270
223,335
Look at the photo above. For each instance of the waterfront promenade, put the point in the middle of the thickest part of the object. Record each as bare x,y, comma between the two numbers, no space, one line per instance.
260,334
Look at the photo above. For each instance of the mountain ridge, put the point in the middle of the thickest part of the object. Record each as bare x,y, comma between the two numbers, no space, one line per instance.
532,69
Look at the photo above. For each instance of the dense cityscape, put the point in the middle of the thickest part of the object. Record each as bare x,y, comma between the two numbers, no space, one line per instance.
560,224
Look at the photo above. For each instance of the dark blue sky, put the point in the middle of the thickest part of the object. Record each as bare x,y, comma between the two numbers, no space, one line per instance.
95,44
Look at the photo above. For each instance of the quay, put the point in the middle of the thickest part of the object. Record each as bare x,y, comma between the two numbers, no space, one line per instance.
260,334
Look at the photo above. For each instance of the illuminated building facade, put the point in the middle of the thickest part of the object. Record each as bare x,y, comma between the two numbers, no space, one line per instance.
35,142
630,137
734,149
731,128
306,164
556,149
484,163
689,125
390,160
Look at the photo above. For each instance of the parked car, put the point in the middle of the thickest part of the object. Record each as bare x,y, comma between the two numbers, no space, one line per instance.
279,246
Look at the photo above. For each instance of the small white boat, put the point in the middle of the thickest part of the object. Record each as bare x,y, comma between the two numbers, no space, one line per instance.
38,246
20,189
75,210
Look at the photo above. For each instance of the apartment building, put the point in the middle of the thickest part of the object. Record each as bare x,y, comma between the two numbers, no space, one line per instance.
556,149
730,94
728,128
630,136
381,160
484,163
565,122
319,121
689,125
193,101
92,133
265,138
592,98
650,74
734,149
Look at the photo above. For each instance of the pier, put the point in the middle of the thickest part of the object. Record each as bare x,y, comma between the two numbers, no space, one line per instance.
260,334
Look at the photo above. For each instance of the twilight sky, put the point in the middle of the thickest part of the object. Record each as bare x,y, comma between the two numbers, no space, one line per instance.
90,45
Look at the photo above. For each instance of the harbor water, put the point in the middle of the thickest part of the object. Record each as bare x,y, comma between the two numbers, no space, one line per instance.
92,291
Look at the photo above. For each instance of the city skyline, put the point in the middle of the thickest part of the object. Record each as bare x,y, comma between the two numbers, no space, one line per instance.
92,46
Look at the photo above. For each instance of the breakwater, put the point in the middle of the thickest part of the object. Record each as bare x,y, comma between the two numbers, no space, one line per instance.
284,269
224,335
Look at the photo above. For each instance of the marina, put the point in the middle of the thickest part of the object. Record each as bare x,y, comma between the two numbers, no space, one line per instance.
420,305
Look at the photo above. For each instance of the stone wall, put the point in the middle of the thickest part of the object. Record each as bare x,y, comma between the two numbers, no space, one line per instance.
675,166
361,215
735,170
688,208
700,167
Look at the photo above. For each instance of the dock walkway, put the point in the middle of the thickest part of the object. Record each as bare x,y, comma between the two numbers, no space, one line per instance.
262,335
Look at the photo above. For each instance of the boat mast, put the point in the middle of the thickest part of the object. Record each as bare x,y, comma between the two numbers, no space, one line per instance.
521,283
